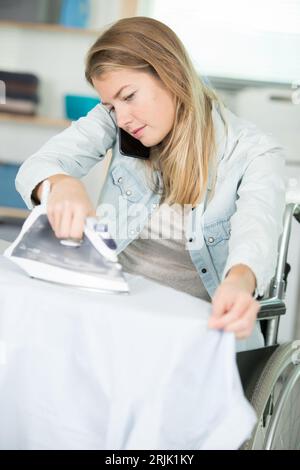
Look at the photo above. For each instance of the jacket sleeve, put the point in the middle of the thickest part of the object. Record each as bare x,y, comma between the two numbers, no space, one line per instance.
73,152
257,224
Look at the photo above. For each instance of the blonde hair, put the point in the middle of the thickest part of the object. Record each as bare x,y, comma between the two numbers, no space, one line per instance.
185,155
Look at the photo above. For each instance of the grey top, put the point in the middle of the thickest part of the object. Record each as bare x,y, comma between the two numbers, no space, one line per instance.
160,253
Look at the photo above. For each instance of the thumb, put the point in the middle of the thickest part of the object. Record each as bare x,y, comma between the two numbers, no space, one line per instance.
219,307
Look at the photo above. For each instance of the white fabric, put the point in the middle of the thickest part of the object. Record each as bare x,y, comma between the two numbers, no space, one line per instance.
82,370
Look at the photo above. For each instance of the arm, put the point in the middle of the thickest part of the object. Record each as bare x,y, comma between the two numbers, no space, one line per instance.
255,230
242,276
257,224
37,192
72,152
233,305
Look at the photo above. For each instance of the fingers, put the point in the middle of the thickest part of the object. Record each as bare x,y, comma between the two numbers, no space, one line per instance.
220,304
225,319
54,216
243,326
221,319
240,320
77,224
68,206
67,221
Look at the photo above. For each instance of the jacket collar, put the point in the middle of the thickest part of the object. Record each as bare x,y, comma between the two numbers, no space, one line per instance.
220,130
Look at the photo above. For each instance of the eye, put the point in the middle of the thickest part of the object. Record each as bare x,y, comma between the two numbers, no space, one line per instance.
129,97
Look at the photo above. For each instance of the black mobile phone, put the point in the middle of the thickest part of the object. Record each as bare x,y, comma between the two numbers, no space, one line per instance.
131,147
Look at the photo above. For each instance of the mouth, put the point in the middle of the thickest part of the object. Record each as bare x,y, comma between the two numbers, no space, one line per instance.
138,132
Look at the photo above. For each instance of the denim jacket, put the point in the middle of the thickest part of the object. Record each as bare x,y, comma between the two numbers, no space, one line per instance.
240,224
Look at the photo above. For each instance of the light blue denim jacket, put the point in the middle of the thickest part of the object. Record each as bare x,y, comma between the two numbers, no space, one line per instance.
240,223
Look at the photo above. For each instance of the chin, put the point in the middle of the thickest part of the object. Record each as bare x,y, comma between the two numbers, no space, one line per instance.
150,142
146,144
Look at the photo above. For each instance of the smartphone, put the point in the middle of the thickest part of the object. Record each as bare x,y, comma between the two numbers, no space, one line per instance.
131,147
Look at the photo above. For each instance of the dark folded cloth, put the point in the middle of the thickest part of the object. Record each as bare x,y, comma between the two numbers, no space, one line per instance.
19,77
31,97
16,87
20,107
21,92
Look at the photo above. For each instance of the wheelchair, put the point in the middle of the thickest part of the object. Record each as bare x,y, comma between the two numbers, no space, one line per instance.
271,375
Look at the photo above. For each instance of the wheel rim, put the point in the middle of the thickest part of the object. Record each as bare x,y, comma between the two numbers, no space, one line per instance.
284,423
279,425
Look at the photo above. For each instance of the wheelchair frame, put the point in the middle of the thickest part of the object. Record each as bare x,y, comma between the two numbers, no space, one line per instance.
271,375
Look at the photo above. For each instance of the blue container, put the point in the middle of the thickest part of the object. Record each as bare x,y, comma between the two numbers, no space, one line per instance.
77,106
9,197
75,13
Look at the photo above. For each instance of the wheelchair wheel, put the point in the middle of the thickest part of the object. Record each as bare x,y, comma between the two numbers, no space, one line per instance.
276,400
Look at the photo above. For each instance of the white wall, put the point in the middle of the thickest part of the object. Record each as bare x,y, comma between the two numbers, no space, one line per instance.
104,12
274,111
30,139
57,58
249,39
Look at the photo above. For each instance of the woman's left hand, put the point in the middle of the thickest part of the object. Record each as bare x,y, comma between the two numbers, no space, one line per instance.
234,308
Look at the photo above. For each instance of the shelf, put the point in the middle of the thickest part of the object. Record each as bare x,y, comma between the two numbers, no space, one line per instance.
127,8
34,120
13,212
49,27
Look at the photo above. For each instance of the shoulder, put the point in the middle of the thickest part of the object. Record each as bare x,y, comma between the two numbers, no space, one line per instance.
98,117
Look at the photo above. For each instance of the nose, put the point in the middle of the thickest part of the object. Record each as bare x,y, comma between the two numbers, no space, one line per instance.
123,117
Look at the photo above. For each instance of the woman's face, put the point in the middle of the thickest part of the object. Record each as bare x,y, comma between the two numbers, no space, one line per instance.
144,107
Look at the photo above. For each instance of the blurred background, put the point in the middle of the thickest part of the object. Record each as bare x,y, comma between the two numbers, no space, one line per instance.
248,50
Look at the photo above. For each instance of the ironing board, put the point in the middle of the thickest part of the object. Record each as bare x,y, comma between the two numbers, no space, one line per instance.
83,370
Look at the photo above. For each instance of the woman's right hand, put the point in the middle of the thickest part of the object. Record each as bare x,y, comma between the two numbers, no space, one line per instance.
68,206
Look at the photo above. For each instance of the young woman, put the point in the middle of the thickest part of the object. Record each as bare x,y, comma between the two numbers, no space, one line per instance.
205,174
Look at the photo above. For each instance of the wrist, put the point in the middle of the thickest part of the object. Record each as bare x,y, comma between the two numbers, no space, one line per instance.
242,276
55,179
37,192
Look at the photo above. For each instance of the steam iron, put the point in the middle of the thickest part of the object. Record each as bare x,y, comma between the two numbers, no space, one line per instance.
90,263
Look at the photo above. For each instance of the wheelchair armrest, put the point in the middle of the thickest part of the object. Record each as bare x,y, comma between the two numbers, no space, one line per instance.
271,307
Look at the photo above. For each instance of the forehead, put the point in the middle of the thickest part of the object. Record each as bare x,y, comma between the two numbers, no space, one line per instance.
109,83
113,78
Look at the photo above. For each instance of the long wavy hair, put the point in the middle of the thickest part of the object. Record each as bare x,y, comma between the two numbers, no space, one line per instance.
186,153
